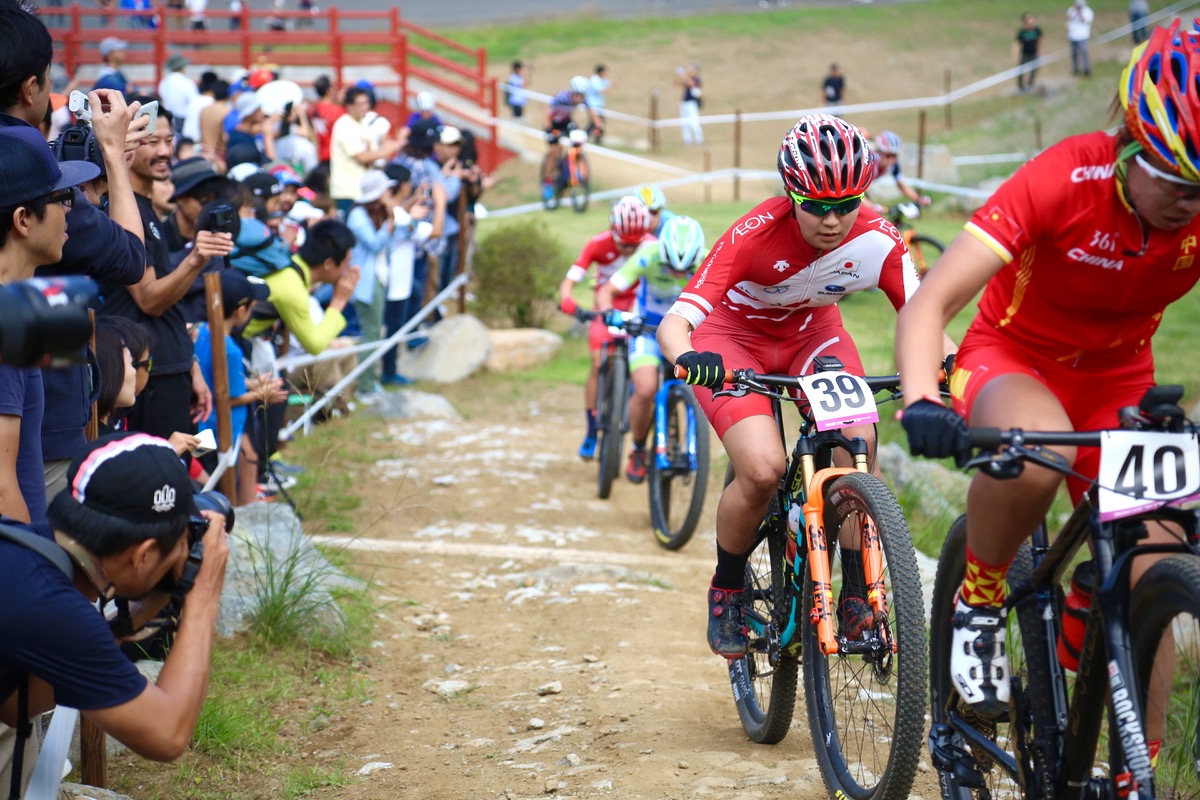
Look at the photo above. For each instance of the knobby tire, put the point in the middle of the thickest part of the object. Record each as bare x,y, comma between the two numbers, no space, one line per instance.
579,189
925,251
677,495
610,434
868,710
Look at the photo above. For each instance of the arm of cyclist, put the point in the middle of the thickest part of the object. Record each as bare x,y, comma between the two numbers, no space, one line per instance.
912,194
933,429
675,341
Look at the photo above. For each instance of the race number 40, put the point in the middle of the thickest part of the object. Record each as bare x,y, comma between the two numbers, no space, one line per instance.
1142,470
839,399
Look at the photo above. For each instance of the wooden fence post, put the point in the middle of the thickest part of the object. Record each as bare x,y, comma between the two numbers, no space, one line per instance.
220,387
921,144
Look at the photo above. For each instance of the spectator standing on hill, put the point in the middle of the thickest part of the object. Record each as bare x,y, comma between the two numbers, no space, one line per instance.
833,88
112,53
200,101
598,86
689,103
176,90
1026,46
323,114
1138,11
515,89
350,150
1079,30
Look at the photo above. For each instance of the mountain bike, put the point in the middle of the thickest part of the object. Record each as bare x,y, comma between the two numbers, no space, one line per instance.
677,471
925,250
865,695
1047,745
568,173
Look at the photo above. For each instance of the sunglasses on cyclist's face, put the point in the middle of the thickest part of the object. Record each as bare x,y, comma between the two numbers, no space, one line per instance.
821,208
1173,185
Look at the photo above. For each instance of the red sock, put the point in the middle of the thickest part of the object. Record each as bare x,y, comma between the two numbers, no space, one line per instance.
983,585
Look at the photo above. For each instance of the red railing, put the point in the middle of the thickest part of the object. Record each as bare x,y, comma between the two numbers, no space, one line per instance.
337,40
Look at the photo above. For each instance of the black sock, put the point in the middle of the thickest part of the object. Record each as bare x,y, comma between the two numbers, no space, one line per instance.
731,570
591,421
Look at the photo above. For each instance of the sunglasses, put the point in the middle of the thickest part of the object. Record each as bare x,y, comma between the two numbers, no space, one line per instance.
146,363
1180,189
821,208
64,196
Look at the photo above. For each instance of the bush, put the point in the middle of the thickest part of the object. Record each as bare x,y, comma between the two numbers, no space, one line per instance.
517,271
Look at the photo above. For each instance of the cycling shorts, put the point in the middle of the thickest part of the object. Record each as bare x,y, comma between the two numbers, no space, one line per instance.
556,132
1091,398
644,352
740,348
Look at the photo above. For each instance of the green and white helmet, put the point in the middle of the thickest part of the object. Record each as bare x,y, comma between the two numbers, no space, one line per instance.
681,242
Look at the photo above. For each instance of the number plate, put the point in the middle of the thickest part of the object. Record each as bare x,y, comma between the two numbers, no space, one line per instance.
839,399
1141,470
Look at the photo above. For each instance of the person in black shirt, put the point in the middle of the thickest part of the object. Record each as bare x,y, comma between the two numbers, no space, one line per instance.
1028,42
196,184
834,87
176,394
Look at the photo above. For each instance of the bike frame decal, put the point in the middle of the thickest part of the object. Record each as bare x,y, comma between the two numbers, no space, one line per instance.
818,558
1146,469
839,399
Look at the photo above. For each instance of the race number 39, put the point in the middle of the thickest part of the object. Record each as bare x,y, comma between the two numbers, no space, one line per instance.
839,399
1141,470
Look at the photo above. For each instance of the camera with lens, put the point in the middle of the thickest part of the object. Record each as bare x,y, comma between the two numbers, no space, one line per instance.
44,321
197,527
221,218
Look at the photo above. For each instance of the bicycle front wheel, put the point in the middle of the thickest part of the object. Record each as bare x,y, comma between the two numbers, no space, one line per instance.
925,251
1164,619
579,189
866,703
609,424
677,490
764,680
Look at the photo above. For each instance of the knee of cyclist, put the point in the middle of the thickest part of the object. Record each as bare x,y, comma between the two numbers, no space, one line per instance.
762,479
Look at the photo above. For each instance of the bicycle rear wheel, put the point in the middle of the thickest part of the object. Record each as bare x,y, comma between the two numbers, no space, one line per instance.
550,199
764,680
925,251
1165,608
677,492
609,423
579,189
866,704
1029,652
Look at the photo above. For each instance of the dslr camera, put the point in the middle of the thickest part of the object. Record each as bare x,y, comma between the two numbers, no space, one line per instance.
44,321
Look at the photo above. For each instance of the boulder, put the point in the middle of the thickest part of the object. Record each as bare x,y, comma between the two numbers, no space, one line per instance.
457,347
522,348
411,404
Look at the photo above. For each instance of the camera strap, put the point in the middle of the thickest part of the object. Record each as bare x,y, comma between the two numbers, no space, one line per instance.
46,548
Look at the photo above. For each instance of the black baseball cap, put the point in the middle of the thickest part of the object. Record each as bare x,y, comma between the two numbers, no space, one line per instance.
237,287
425,133
190,173
131,476
264,184
28,169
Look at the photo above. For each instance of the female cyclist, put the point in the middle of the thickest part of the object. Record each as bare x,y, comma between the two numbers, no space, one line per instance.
660,270
766,298
1077,255
628,227
887,147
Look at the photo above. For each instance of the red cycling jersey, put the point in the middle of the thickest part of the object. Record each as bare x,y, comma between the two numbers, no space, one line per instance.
764,276
1078,287
602,251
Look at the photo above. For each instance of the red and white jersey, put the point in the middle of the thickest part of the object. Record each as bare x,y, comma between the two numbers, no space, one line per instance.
763,275
602,251
1078,286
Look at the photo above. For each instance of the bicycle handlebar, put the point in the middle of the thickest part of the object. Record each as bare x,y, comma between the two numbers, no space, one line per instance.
747,377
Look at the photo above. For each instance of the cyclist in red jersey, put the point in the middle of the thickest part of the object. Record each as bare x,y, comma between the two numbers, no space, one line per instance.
629,225
1077,254
766,298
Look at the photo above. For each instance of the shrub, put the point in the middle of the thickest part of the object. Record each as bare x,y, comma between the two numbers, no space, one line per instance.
517,270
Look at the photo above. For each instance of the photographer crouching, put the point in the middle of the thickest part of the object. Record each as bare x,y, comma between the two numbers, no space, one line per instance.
129,527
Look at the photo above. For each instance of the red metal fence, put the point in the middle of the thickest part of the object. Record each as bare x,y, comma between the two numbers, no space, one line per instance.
341,42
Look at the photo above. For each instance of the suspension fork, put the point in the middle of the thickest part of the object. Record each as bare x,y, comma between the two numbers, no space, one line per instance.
818,548
661,454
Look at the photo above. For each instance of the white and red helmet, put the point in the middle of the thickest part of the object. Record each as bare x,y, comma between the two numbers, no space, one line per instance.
629,220
825,157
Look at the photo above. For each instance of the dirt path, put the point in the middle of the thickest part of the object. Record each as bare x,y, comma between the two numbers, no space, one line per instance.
578,642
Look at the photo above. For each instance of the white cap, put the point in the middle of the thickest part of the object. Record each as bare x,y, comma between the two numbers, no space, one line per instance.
374,183
451,135
112,44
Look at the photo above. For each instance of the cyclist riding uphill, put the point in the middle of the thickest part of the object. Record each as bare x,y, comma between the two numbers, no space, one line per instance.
656,201
560,124
660,270
628,228
1077,255
766,298
887,147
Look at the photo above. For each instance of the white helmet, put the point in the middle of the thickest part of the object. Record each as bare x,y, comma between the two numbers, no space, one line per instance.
579,84
425,101
681,243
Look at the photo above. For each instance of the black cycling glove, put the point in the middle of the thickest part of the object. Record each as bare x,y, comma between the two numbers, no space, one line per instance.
703,369
935,431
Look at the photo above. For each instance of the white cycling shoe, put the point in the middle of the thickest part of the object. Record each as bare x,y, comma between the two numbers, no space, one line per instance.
978,659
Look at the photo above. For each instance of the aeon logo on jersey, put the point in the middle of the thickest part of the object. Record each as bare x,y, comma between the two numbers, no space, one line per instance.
750,224
1084,257
1093,172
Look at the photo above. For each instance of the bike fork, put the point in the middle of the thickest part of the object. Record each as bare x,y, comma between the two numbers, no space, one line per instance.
662,454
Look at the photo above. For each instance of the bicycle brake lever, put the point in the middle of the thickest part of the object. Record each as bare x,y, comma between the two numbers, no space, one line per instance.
1001,466
737,391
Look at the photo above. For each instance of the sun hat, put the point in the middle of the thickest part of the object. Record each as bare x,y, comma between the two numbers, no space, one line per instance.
374,183
112,44
176,62
246,104
191,172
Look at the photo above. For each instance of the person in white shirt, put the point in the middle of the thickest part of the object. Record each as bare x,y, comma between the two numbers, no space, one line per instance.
1079,30
177,90
351,150
598,86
